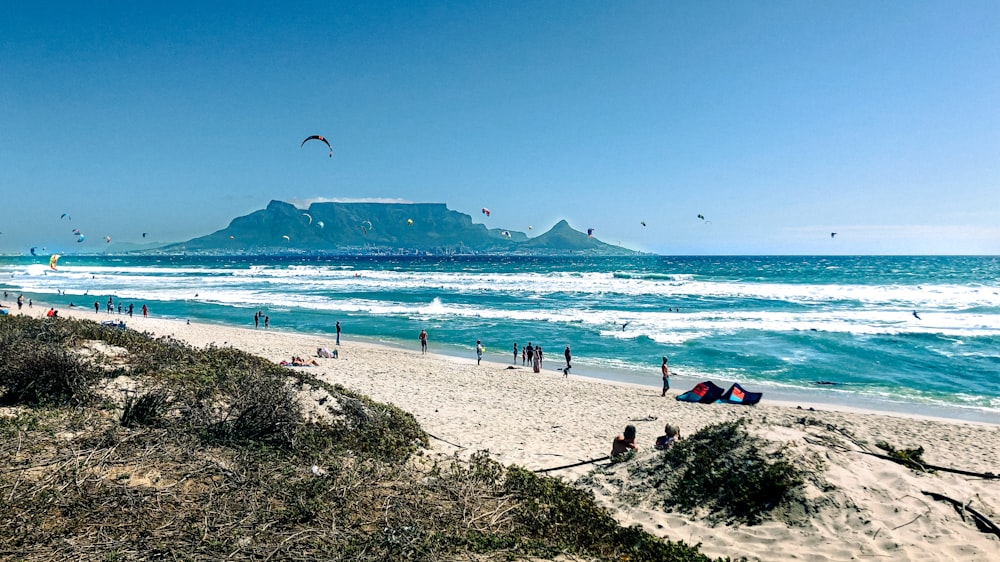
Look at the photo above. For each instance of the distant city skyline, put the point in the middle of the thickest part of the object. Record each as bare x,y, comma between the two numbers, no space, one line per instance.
779,122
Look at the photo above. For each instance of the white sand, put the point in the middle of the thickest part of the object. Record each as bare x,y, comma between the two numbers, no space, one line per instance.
872,508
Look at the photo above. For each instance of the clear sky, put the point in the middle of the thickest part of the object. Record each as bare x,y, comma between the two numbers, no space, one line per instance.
779,121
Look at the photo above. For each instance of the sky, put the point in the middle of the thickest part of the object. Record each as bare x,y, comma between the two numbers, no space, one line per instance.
780,122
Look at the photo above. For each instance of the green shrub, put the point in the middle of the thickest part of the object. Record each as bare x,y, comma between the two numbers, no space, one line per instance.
725,470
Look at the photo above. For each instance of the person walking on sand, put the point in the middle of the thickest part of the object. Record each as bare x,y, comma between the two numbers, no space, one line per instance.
338,332
423,341
130,305
145,311
479,351
524,356
568,358
267,322
531,352
97,307
666,377
536,361
256,320
515,353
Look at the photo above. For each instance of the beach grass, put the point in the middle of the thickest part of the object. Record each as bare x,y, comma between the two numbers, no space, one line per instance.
119,446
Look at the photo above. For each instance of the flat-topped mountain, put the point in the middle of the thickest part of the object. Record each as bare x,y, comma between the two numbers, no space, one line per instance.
384,228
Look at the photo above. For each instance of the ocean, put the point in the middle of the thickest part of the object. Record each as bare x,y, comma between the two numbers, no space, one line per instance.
917,335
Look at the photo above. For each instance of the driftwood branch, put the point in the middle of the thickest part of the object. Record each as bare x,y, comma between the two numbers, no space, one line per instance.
981,520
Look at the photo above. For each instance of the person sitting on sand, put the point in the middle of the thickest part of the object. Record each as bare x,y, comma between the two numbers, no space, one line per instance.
624,443
324,352
672,434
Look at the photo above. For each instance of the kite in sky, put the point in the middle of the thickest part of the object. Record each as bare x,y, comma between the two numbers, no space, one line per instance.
319,138
590,232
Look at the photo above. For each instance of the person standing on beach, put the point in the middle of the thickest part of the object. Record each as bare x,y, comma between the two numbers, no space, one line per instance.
338,332
130,310
423,341
515,353
531,352
568,357
536,360
479,351
267,322
20,301
666,377
256,320
97,307
145,311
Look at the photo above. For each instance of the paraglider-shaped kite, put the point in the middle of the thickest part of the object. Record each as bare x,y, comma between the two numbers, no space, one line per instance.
308,216
287,238
33,251
80,239
65,216
833,234
144,234
319,224
107,239
53,260
505,234
643,223
319,138
409,222
590,232
486,211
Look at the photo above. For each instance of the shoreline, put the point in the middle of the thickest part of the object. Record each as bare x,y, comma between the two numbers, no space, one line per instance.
781,397
865,506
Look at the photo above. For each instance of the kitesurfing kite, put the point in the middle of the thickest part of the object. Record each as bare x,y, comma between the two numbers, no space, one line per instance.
308,216
65,216
365,229
505,233
33,251
287,238
319,224
319,138
590,232
80,239
409,222
144,234
702,217
643,223
107,239
486,211
76,231
53,260
531,227
833,234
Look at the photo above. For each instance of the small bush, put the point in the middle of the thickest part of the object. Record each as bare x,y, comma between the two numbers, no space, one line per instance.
146,410
725,470
44,373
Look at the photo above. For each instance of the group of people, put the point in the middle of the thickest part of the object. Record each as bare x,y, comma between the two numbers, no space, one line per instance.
533,355
111,308
259,317
624,445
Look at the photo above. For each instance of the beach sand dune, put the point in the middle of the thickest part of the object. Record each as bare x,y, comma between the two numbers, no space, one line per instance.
864,507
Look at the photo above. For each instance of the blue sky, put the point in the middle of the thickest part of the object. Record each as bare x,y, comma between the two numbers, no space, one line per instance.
780,122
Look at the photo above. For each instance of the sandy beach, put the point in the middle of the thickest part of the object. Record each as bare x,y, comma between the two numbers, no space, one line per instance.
867,508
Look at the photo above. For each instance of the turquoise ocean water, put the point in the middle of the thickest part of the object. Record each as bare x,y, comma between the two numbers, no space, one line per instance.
775,324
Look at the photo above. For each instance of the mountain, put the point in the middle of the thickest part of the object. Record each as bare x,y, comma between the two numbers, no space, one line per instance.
348,228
